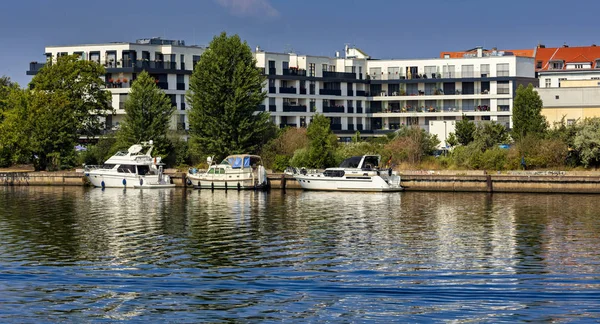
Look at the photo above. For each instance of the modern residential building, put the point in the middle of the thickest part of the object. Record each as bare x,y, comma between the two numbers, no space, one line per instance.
372,96
357,92
170,62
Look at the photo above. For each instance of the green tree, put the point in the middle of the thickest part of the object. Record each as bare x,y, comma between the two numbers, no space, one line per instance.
587,142
322,143
452,140
411,144
81,83
148,115
14,130
465,131
225,89
489,135
527,113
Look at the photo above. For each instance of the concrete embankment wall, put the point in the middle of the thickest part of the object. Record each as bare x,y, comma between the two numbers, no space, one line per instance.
466,181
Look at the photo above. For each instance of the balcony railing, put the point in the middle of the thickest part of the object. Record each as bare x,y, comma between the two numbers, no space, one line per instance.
272,71
294,108
339,75
180,126
359,110
180,86
163,85
272,90
330,92
260,108
436,75
350,110
350,93
361,93
284,125
272,108
333,109
350,127
298,72
289,90
335,127
303,91
182,105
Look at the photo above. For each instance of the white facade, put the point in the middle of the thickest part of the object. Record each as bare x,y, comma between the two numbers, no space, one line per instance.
169,62
553,78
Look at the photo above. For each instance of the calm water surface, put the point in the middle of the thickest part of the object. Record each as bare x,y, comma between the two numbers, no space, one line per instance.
74,254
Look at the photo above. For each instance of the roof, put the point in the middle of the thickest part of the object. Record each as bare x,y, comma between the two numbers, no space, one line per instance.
581,54
516,52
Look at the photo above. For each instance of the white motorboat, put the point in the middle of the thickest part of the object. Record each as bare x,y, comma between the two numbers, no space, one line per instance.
131,169
241,171
358,173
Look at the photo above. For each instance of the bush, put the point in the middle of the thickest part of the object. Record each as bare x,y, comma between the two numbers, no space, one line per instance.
281,163
300,158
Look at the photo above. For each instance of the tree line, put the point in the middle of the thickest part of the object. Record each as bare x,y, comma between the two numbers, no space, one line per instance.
67,101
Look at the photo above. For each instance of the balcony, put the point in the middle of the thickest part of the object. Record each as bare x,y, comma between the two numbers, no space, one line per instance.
180,86
302,91
118,84
163,85
272,71
359,127
359,110
272,108
294,108
350,110
182,106
294,71
284,125
350,93
335,127
330,92
350,127
361,93
272,90
333,109
339,75
260,108
35,67
288,90
180,126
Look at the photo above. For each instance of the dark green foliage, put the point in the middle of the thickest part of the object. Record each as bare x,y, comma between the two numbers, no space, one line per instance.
527,116
100,152
322,143
452,140
465,131
286,143
587,142
489,135
410,145
225,89
281,163
79,81
149,112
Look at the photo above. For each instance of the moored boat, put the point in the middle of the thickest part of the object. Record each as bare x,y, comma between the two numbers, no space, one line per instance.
240,171
358,173
131,169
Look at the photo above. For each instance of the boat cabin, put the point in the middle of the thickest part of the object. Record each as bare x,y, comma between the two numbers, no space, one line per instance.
365,162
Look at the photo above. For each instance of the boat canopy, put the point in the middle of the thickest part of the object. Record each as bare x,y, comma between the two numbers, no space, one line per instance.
242,161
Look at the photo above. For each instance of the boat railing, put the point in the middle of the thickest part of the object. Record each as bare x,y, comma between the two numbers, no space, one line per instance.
94,167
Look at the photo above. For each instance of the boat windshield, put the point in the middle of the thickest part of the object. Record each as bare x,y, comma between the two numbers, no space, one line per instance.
351,163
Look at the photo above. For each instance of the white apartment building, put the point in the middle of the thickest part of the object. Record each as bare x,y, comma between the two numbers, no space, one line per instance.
170,62
356,92
374,96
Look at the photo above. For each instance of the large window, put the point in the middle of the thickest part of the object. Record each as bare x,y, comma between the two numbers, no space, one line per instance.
467,71
485,70
311,69
548,82
503,104
502,69
448,71
503,87
430,71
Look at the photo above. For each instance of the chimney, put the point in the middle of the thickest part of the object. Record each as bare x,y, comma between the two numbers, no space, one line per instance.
479,51
541,46
565,45
257,49
593,45
337,54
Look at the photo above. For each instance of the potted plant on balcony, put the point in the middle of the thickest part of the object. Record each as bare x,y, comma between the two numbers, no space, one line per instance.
125,80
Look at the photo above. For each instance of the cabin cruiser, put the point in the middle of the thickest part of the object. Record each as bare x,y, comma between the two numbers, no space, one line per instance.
358,173
240,171
131,169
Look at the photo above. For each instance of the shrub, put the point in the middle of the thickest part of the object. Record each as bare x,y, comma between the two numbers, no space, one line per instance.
281,163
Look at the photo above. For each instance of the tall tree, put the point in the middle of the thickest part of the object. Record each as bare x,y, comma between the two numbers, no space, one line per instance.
149,112
587,142
14,130
465,131
527,113
80,82
322,143
225,89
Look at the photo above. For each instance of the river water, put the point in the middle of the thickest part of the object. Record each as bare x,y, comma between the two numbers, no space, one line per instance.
79,255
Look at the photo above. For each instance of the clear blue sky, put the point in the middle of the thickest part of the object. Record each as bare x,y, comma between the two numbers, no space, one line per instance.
382,28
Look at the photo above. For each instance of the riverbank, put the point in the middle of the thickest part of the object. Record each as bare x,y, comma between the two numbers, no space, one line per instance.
415,180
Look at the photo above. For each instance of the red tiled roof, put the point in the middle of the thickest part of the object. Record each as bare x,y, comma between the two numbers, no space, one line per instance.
582,54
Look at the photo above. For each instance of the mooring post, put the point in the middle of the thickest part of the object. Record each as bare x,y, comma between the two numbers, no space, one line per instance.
283,182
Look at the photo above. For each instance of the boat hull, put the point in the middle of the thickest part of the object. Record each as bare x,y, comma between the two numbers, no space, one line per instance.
125,180
212,183
354,184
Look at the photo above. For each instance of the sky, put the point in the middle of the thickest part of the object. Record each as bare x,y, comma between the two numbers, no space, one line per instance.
381,28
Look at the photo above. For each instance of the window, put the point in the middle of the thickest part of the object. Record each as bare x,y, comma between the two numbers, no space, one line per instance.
430,71
375,73
311,69
579,66
324,67
538,65
556,97
548,83
502,69
446,55
485,70
467,71
332,68
570,122
503,104
448,71
557,65
285,65
503,87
